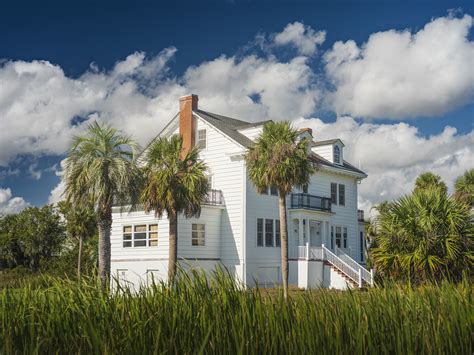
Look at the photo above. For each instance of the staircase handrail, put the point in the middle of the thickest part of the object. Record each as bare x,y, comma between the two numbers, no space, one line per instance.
366,274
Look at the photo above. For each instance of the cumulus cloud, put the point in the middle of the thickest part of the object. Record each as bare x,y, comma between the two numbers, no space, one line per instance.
400,74
41,108
9,204
303,38
393,155
56,194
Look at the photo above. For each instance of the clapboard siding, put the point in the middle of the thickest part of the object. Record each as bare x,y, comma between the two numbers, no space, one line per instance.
252,132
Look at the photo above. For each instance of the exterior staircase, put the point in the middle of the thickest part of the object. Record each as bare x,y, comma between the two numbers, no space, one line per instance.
354,273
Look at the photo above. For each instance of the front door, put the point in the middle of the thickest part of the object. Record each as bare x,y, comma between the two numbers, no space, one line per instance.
315,233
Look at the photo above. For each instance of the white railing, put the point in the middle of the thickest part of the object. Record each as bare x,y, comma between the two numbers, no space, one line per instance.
340,260
316,253
340,264
366,275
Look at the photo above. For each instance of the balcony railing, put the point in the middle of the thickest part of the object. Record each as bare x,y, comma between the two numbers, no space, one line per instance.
215,198
360,215
311,202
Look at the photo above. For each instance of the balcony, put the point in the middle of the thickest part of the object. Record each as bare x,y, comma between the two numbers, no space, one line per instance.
214,198
310,202
360,215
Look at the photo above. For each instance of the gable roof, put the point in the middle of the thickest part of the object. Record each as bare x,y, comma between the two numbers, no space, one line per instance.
345,165
229,126
326,142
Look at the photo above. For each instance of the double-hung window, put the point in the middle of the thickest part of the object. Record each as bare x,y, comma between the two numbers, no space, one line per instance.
342,194
201,139
338,237
337,154
344,237
268,232
140,235
334,193
198,234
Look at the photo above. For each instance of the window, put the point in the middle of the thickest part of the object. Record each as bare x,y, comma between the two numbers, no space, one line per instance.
152,235
334,193
332,237
277,233
260,232
140,235
338,237
198,234
127,236
361,237
273,190
344,237
305,189
209,182
342,194
269,232
337,154
201,141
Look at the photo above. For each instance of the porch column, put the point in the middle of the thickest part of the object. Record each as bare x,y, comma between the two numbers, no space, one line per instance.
327,235
300,232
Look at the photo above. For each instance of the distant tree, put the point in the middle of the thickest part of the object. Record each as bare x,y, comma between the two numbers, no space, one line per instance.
423,236
100,167
41,234
464,188
175,182
11,251
80,223
278,158
430,180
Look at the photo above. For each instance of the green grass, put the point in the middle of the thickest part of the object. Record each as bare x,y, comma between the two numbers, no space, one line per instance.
215,316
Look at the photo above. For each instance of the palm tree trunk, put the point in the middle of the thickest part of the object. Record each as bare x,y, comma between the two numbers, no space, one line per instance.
105,224
284,242
173,247
79,259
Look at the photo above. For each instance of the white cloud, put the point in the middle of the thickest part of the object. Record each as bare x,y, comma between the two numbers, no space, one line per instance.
56,194
302,37
9,204
393,155
403,74
34,173
40,105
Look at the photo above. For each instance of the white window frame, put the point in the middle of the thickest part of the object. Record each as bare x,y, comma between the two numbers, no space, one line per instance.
275,225
344,236
200,235
339,195
338,154
148,240
199,140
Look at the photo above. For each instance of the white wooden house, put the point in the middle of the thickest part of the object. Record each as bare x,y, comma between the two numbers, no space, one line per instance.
238,227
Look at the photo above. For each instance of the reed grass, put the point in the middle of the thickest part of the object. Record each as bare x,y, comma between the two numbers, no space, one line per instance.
215,316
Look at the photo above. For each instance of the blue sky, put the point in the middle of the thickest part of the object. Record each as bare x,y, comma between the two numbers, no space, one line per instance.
148,53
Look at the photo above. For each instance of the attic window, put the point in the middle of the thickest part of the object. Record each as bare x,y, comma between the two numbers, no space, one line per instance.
201,141
337,154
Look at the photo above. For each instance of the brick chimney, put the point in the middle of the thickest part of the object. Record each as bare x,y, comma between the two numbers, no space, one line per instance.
187,104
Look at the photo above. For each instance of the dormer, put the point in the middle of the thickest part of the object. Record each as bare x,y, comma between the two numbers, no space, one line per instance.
331,150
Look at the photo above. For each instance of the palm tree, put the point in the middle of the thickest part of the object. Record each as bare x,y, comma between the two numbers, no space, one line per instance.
175,182
464,187
430,180
279,159
80,225
100,167
426,235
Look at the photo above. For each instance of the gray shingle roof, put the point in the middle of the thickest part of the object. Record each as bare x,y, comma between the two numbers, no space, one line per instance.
325,142
345,165
229,126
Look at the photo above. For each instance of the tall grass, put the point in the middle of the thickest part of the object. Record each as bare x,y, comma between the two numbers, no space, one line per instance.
214,316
